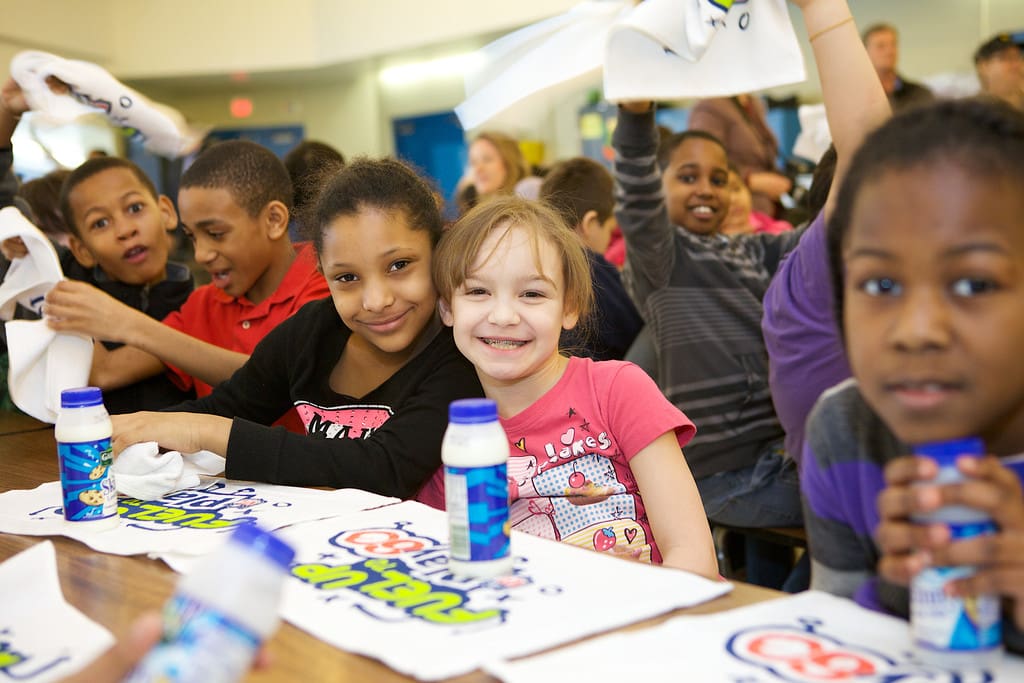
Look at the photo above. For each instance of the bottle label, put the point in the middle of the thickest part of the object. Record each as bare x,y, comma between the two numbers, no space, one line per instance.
945,624
199,645
87,480
477,502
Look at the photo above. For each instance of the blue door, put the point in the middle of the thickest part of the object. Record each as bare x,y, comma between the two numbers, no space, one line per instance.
436,145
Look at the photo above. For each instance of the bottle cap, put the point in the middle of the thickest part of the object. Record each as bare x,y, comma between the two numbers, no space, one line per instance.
945,453
473,411
81,398
265,543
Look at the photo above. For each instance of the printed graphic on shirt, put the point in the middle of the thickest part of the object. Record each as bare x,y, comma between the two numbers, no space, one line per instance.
346,422
572,490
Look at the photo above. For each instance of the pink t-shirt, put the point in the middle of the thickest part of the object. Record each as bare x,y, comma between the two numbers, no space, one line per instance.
569,475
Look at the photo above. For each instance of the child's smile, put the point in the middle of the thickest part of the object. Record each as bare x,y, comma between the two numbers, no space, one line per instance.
508,314
378,269
696,185
933,298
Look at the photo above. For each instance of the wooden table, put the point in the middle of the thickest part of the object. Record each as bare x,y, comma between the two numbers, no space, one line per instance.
13,423
114,590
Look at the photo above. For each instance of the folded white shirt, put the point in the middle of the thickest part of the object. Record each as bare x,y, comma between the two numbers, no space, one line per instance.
162,129
143,472
42,362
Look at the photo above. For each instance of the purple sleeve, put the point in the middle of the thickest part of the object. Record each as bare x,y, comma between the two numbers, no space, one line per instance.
804,347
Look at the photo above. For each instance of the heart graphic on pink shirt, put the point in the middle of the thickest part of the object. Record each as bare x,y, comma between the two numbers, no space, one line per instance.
568,436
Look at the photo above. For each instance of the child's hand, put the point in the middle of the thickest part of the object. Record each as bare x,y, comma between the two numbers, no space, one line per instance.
12,97
182,432
78,307
13,247
991,488
117,662
995,490
637,107
905,545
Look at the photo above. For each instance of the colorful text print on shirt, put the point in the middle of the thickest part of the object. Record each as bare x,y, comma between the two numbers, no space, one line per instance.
393,574
801,654
18,666
347,422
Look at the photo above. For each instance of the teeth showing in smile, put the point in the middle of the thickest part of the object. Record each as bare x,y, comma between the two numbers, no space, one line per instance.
502,343
924,387
703,210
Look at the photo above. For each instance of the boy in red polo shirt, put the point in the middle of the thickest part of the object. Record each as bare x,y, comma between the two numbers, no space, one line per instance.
234,205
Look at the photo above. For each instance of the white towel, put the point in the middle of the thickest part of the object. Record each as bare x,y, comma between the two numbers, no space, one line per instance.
659,49
162,129
42,362
143,472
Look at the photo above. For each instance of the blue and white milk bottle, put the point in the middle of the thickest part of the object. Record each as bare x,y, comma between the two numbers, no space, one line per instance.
220,612
948,631
83,432
475,453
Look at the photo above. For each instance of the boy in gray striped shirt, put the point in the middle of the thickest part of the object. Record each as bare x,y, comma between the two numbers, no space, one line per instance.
700,293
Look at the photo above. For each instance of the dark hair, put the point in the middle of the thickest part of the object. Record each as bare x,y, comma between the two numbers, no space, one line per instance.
982,135
88,170
821,181
43,197
306,163
995,45
386,184
579,185
877,28
249,172
667,147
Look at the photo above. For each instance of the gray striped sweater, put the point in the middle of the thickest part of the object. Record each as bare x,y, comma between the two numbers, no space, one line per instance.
701,296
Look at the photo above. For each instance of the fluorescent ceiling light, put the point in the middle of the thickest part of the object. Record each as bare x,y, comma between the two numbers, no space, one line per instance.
442,67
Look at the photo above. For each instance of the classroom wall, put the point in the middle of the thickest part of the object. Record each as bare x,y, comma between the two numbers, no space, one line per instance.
201,37
72,28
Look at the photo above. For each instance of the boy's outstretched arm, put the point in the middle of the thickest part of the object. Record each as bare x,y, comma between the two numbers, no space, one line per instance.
855,103
81,308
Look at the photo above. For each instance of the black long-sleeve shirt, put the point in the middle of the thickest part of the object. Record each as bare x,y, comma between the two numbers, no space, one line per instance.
387,442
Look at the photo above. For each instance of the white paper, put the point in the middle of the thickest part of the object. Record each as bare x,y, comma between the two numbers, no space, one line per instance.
377,583
811,637
43,363
42,637
190,522
753,48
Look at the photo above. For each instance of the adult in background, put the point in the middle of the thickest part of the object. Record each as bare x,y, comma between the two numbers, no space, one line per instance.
882,43
496,166
1000,66
741,125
